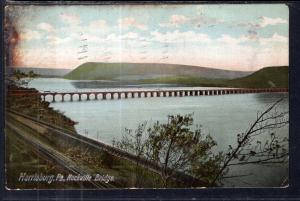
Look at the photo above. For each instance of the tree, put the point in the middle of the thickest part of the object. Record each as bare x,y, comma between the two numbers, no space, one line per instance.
19,78
251,150
134,143
175,147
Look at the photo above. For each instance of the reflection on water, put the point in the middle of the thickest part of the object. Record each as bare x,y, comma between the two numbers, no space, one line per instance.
264,97
117,84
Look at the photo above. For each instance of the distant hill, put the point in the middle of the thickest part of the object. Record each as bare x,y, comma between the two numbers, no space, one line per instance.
44,72
140,71
264,78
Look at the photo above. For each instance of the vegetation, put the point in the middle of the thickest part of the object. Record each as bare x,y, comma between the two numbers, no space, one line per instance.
19,78
118,71
179,74
31,105
22,158
265,78
177,148
90,159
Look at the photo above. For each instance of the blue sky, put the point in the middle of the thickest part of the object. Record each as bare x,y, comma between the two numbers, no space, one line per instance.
240,37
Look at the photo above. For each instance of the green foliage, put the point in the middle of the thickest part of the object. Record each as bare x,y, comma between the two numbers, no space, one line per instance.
174,147
265,78
180,74
114,71
178,148
19,78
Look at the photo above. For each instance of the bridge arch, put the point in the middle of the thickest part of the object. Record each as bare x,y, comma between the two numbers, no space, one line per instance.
99,96
66,97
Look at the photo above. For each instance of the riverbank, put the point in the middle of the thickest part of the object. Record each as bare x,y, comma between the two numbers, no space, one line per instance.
34,107
28,141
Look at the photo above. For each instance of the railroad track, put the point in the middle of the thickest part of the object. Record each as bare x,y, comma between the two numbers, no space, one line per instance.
49,153
154,167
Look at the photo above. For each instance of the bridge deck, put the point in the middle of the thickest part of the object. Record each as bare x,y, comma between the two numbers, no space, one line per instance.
144,93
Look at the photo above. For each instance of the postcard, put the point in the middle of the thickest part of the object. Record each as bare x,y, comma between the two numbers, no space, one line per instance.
146,96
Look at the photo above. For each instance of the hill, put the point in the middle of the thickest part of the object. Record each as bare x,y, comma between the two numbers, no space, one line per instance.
264,78
43,72
141,71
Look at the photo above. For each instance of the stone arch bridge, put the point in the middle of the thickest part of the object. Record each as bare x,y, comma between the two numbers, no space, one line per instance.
110,95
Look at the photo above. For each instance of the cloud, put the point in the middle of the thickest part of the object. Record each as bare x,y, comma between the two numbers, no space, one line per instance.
70,18
130,36
45,27
276,38
30,35
266,21
131,22
229,40
175,21
252,34
98,24
197,20
262,22
177,37
54,40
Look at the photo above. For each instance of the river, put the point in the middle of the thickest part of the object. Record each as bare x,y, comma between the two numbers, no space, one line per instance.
220,116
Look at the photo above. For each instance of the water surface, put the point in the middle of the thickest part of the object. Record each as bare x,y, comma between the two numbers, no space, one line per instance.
220,116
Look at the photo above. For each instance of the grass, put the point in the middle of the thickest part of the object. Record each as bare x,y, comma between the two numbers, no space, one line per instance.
21,158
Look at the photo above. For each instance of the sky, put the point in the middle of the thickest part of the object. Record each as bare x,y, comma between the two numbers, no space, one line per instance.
233,37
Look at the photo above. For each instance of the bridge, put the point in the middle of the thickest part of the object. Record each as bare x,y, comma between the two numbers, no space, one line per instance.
110,95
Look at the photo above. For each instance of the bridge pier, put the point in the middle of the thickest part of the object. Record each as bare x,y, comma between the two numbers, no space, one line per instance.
147,94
